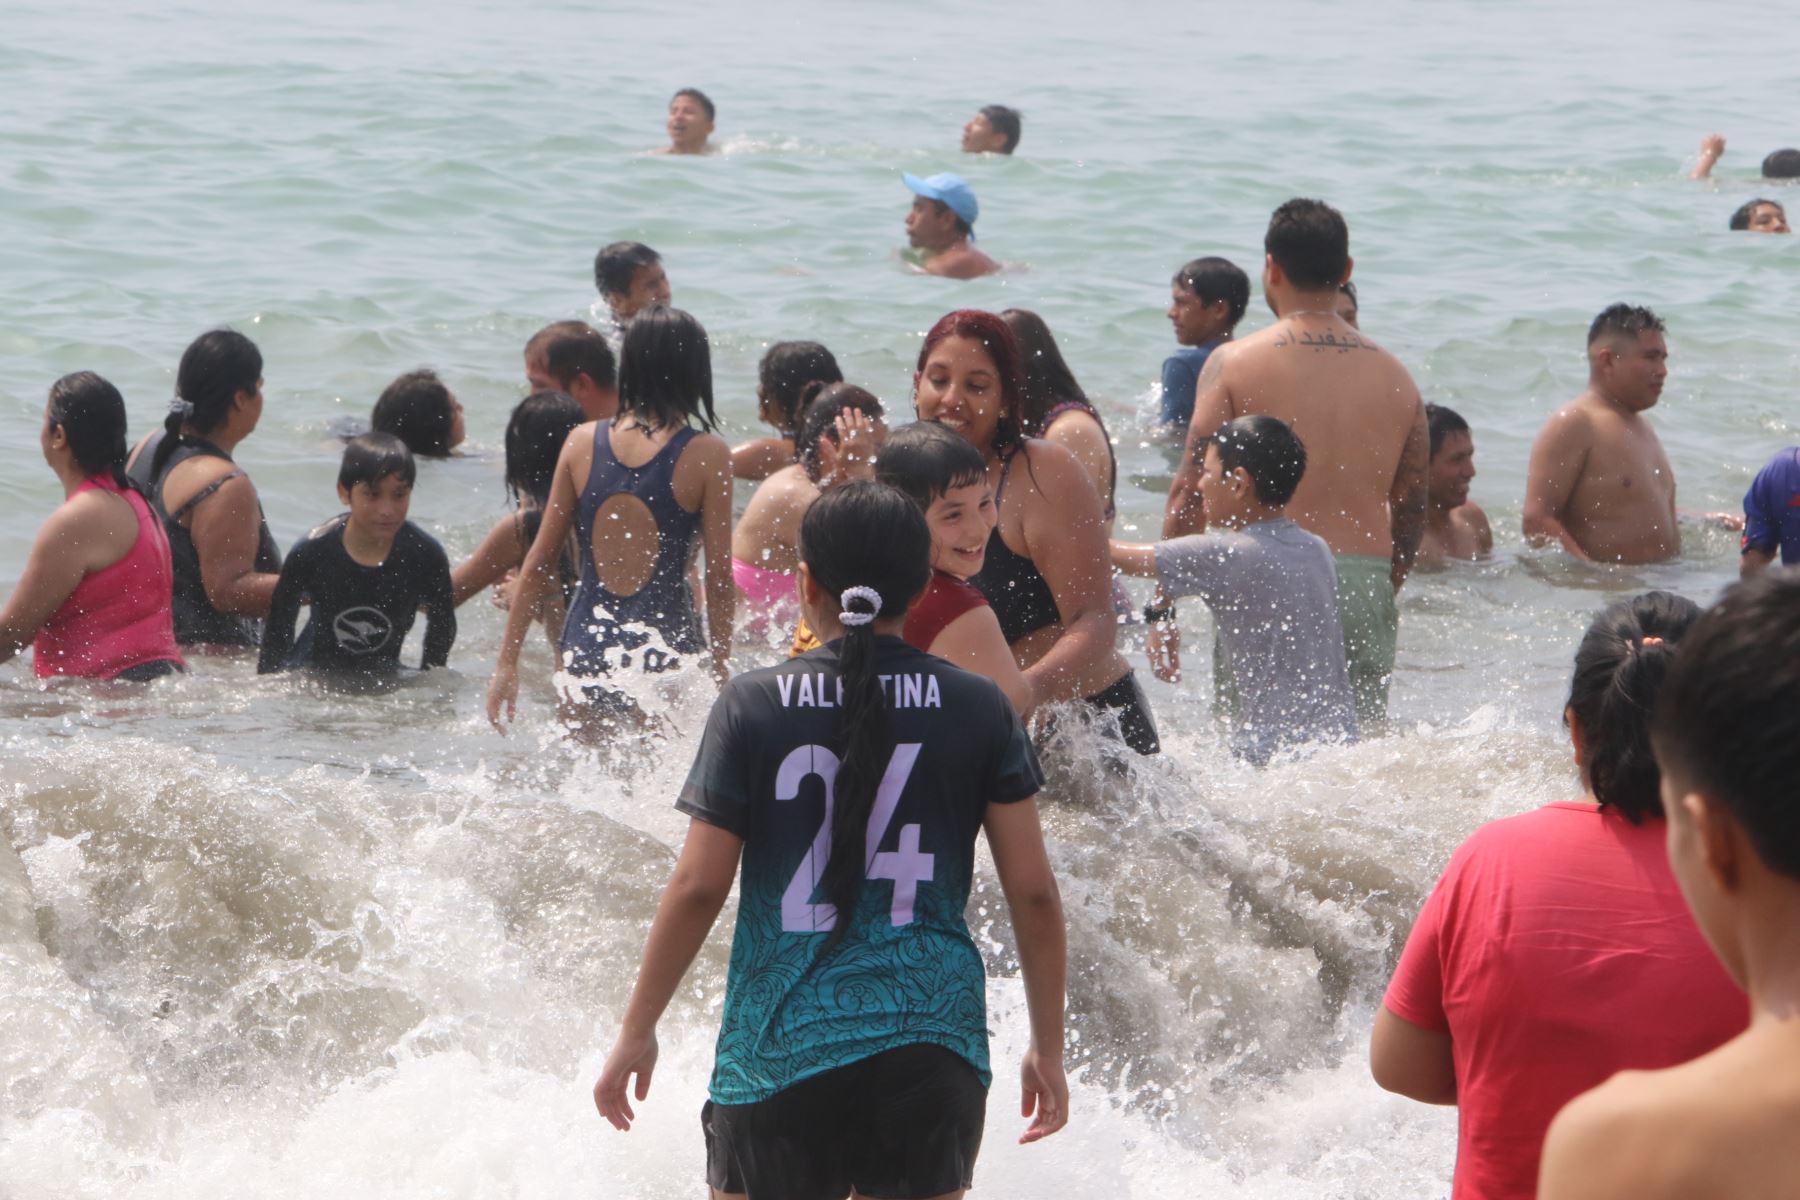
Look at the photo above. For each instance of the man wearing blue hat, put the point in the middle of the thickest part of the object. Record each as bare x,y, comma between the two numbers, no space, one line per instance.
941,224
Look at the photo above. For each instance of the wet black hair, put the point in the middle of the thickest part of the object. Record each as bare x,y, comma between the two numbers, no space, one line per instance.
1006,122
615,264
1268,450
416,409
1741,218
1348,288
1626,319
823,407
1727,724
373,457
1310,242
665,371
701,98
571,348
863,534
1441,422
1214,279
215,368
1614,690
91,413
786,369
535,434
925,460
1049,384
1782,164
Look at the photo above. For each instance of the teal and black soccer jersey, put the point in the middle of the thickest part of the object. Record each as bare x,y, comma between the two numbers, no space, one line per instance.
906,972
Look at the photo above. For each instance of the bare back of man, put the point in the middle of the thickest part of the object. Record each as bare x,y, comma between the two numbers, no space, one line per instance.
961,261
1601,485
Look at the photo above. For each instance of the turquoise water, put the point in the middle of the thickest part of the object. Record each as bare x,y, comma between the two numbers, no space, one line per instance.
261,941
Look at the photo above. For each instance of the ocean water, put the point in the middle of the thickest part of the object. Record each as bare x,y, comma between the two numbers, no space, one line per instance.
261,941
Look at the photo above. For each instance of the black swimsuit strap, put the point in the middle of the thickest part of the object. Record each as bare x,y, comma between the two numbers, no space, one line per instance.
194,500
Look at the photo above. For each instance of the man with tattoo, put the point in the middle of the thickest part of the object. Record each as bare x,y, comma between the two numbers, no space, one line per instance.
1599,483
1360,417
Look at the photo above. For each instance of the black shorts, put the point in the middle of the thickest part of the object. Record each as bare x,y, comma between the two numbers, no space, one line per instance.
902,1125
1137,727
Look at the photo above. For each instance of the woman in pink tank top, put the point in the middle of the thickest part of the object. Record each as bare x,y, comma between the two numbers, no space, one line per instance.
94,599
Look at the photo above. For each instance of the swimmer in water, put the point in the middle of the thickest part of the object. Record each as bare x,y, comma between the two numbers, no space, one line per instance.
785,371
1207,299
993,130
643,494
1760,216
630,278
419,410
1779,164
941,225
842,430
850,784
1347,305
946,477
1455,526
574,358
1599,483
93,600
363,575
1727,738
225,559
691,116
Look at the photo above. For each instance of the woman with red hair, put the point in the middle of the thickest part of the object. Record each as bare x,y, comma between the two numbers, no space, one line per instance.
1048,573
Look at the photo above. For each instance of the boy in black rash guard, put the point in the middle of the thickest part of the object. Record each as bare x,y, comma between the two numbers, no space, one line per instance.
365,574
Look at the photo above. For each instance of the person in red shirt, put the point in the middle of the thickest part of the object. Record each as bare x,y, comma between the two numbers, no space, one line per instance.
1556,949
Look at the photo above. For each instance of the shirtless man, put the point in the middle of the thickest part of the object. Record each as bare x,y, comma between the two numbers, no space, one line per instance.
690,123
1358,413
573,357
1599,483
1727,737
941,223
1455,526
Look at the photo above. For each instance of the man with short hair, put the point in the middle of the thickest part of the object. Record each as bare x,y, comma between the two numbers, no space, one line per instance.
1207,299
1357,411
630,277
1455,526
993,130
1779,164
1599,483
1772,515
1727,738
1760,216
690,123
572,357
941,223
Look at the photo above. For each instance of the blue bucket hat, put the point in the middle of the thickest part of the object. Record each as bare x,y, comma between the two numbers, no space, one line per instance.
952,190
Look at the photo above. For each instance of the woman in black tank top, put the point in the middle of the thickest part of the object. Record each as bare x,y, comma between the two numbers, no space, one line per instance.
1056,571
226,562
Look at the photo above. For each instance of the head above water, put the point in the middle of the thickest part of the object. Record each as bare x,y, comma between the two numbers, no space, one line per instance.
1265,449
89,414
1048,380
825,403
993,130
971,377
1348,307
1628,356
1619,671
1782,164
1760,216
535,434
1208,297
785,370
218,382
1307,249
665,371
943,211
630,277
419,410
560,353
690,123
373,457
1452,463
925,460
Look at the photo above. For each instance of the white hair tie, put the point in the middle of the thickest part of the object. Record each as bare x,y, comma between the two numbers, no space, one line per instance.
181,408
859,593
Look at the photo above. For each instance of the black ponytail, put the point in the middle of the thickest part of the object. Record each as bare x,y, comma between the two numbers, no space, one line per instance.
1619,671
858,538
214,369
91,414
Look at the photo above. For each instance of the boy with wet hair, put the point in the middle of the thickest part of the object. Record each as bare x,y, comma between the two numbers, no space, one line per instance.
365,575
1727,737
1760,216
630,278
1279,666
993,130
419,410
690,123
1455,526
1207,299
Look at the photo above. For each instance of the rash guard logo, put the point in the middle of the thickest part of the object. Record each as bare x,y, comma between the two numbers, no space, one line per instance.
361,630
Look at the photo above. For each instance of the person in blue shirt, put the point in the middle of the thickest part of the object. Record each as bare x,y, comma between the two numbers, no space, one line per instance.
851,783
1772,514
1207,300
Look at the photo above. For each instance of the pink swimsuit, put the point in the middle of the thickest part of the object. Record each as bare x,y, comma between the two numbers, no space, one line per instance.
764,588
118,617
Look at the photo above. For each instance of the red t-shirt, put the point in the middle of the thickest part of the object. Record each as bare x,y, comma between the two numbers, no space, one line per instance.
1555,951
946,598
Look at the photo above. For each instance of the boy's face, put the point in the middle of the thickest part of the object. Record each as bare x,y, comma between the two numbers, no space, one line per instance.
961,521
1224,495
1196,322
378,509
